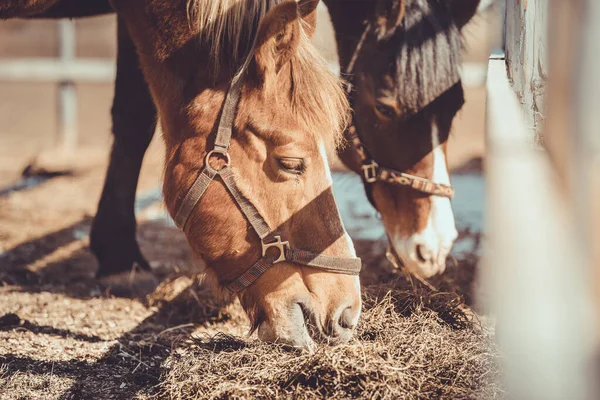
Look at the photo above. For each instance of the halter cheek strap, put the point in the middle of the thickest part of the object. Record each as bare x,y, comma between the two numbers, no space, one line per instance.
371,171
269,240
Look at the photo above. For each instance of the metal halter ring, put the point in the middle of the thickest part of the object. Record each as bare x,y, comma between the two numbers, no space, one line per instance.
222,153
370,171
279,244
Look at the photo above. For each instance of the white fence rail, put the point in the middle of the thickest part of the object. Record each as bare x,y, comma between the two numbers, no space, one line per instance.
44,70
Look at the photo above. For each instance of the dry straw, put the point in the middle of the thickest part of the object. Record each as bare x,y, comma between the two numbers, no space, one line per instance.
414,344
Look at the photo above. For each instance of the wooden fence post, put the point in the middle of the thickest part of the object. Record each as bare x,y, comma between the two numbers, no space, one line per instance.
525,49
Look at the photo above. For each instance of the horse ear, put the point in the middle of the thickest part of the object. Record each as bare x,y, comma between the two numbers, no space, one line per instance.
308,13
463,11
278,38
388,16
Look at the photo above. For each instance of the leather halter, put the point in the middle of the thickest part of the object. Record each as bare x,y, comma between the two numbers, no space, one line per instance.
371,170
269,239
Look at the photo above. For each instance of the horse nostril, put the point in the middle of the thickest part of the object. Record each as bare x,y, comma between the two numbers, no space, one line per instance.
347,319
309,317
422,254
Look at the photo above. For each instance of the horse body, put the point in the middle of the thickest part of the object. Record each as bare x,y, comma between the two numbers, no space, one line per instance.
283,130
405,57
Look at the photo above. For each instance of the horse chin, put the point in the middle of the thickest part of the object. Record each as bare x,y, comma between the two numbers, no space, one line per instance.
299,328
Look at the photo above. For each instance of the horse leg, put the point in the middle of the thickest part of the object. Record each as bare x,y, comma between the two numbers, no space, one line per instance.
113,234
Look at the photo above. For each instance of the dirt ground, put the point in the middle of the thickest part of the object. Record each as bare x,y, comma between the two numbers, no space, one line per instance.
64,335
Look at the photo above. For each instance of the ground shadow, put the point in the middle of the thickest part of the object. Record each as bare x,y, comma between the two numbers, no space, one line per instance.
12,322
132,364
61,262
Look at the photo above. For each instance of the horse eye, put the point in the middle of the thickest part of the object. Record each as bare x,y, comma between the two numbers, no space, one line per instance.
386,111
292,165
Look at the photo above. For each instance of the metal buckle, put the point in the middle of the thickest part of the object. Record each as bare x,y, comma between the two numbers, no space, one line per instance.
370,171
278,243
217,152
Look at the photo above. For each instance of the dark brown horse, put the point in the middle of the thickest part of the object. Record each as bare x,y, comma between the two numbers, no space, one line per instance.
249,112
405,57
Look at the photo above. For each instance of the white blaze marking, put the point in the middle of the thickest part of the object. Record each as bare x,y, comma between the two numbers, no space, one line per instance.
441,218
323,153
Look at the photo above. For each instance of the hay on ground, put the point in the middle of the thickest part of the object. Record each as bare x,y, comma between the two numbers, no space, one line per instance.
409,344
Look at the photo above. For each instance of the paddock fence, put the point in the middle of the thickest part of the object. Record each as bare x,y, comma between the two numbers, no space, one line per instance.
67,69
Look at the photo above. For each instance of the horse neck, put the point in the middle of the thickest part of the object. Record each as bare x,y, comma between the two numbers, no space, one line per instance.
348,19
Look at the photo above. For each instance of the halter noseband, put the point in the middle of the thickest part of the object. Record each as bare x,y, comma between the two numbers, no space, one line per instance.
269,240
371,170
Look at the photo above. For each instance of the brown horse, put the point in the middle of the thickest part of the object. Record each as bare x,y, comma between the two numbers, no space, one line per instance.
403,59
242,79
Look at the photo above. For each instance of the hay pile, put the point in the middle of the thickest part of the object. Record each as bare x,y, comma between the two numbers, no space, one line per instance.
409,344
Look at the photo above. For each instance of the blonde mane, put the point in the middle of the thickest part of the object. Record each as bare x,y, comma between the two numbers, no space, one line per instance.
318,98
